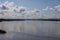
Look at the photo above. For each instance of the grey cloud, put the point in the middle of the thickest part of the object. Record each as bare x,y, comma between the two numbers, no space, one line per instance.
37,11
4,7
57,8
21,10
14,10
2,12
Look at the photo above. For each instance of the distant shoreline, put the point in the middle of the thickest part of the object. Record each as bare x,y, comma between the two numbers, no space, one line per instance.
29,19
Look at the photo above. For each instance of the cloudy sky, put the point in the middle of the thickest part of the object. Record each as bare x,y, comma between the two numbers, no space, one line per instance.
31,9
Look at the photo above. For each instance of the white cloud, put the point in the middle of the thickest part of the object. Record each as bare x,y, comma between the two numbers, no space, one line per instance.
10,10
9,4
48,8
52,12
57,8
19,9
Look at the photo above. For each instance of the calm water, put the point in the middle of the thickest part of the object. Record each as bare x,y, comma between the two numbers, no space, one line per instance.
31,30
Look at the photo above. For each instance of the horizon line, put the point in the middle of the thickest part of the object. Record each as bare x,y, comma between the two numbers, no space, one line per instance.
29,20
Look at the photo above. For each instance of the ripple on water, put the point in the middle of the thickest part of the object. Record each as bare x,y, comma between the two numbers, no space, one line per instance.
24,36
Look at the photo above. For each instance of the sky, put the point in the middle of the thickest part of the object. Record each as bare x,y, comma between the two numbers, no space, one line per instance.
30,8
35,3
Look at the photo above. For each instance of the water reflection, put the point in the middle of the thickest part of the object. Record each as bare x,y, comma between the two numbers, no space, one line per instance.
31,29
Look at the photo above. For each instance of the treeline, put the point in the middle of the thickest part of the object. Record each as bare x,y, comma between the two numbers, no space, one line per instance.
29,20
